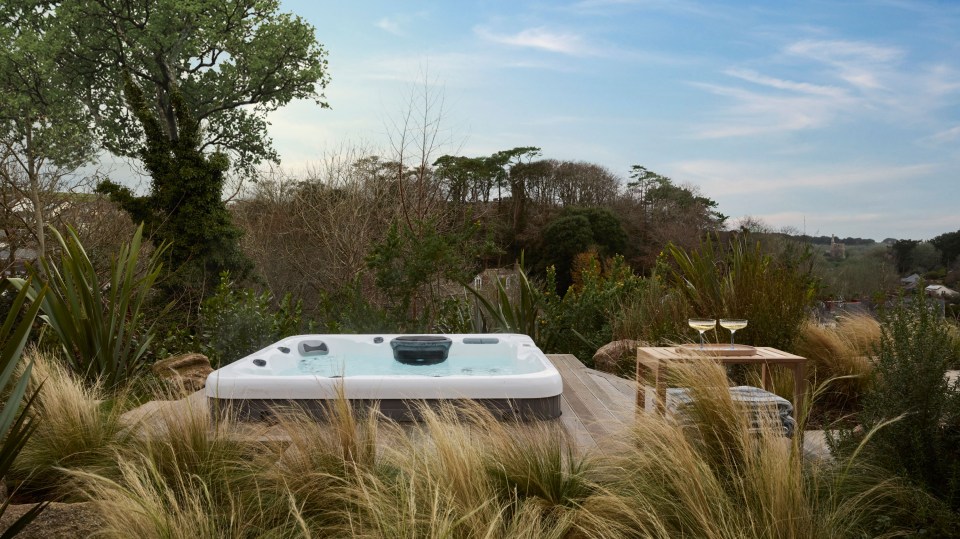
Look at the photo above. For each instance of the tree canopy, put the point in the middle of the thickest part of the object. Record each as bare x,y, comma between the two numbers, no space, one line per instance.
232,61
44,129
184,86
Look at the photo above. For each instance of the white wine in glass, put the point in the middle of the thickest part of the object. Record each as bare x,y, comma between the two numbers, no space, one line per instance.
701,325
733,324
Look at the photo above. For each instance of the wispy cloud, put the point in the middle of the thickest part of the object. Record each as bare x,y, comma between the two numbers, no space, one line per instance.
860,64
784,84
758,113
687,7
835,79
389,25
400,24
540,38
945,136
730,178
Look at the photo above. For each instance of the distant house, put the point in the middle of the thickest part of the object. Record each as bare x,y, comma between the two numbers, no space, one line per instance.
940,291
837,249
18,266
910,282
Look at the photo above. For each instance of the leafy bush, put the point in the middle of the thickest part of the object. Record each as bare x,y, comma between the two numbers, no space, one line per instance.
581,321
915,349
575,231
236,322
100,325
16,426
414,261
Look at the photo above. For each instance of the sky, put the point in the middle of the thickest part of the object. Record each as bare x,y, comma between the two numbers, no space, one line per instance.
829,118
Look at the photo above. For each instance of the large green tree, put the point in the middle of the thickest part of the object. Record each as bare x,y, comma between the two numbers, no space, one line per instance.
45,134
663,212
185,86
577,230
949,246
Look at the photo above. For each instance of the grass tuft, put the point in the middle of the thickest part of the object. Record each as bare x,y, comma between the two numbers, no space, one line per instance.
78,427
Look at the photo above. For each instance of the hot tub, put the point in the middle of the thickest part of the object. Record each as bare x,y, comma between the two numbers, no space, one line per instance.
506,373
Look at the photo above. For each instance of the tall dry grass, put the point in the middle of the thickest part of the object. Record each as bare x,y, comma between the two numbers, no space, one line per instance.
78,428
716,477
841,354
462,473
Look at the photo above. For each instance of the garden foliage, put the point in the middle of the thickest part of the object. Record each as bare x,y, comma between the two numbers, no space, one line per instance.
580,321
99,324
740,280
239,321
16,426
462,473
916,347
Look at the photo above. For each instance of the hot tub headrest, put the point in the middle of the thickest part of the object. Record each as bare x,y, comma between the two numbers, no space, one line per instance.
313,348
421,349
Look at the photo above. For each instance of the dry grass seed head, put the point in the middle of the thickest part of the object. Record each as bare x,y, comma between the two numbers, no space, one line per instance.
78,427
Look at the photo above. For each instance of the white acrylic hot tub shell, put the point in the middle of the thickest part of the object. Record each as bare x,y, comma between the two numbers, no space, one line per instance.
243,380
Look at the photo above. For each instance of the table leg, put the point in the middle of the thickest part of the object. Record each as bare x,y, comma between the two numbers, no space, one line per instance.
765,378
645,369
641,391
799,385
660,404
650,368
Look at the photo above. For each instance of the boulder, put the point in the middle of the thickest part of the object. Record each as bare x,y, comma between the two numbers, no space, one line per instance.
186,371
611,355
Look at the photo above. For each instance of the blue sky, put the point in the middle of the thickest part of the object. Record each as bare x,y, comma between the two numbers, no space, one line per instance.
834,117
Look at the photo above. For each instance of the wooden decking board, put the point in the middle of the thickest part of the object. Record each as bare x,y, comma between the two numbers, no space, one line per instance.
627,387
602,411
586,387
614,395
574,427
605,396
577,397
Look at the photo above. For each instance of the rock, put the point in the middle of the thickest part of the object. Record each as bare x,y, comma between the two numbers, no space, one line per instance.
611,355
186,372
58,520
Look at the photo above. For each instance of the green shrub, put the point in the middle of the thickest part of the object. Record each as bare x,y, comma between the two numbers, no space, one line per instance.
656,315
915,348
581,321
574,231
772,290
236,322
16,426
100,325
350,309
415,260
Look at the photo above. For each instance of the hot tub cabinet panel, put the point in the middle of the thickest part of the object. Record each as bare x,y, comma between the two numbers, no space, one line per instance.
396,409
398,374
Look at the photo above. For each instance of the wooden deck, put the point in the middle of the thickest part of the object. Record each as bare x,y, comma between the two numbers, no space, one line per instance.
596,406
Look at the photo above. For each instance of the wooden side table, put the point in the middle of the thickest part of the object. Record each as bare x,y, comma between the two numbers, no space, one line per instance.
657,358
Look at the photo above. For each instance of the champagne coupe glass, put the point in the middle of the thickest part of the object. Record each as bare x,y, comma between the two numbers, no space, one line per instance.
701,325
733,324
